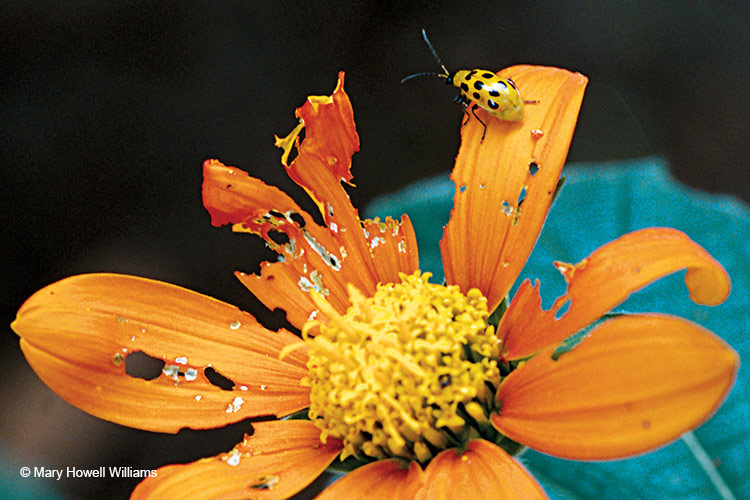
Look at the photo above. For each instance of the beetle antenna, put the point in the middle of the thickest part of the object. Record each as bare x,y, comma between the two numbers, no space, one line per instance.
439,75
434,54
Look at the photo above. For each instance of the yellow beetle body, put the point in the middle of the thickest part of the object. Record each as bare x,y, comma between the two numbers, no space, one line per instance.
498,96
481,88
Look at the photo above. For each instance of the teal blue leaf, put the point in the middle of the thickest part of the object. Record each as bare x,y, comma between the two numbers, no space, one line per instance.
598,204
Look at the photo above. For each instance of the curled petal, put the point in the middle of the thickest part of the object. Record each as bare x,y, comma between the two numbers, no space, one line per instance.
505,183
321,258
484,470
605,279
392,479
78,333
278,460
632,384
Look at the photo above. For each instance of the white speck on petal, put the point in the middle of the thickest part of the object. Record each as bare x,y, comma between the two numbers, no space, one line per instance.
235,405
191,374
234,460
507,208
172,371
198,397
182,360
377,241
235,325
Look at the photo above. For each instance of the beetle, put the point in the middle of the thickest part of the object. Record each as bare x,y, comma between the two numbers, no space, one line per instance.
483,88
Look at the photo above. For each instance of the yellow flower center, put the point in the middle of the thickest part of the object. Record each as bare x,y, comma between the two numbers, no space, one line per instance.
405,373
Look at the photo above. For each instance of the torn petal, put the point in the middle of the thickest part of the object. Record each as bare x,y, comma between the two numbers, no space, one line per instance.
392,479
632,384
393,244
483,470
321,258
323,162
277,461
77,335
506,182
606,279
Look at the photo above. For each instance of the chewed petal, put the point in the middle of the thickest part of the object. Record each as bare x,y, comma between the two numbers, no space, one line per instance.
78,333
392,479
386,236
483,470
632,384
505,183
325,258
607,278
278,460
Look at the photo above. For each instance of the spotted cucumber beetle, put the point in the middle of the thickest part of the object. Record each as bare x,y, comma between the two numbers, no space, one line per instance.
478,87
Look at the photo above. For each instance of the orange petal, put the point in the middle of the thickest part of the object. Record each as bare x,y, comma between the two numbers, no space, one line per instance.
605,279
391,479
484,470
490,233
76,334
632,384
326,258
309,258
277,461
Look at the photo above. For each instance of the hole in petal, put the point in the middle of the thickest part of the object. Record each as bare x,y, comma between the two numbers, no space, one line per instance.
140,365
297,218
278,237
562,310
218,379
533,168
522,196
264,483
507,208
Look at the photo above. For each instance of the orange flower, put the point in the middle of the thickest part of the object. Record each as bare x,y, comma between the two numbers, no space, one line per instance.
414,382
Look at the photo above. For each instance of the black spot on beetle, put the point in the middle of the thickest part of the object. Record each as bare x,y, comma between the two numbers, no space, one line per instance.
478,85
475,95
492,104
487,75
495,93
464,87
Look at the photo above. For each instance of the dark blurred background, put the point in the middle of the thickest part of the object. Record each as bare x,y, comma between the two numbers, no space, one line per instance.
108,109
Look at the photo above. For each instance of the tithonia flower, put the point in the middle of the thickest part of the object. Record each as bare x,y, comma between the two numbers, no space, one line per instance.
423,390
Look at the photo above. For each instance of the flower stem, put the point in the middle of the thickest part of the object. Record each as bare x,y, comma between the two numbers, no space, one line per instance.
705,462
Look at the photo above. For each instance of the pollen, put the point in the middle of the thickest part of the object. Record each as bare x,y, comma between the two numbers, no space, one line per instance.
406,373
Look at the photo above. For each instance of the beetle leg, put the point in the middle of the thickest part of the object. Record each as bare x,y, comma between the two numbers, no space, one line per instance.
461,101
473,112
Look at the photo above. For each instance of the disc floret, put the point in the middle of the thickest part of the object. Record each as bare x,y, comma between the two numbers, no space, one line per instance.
405,373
